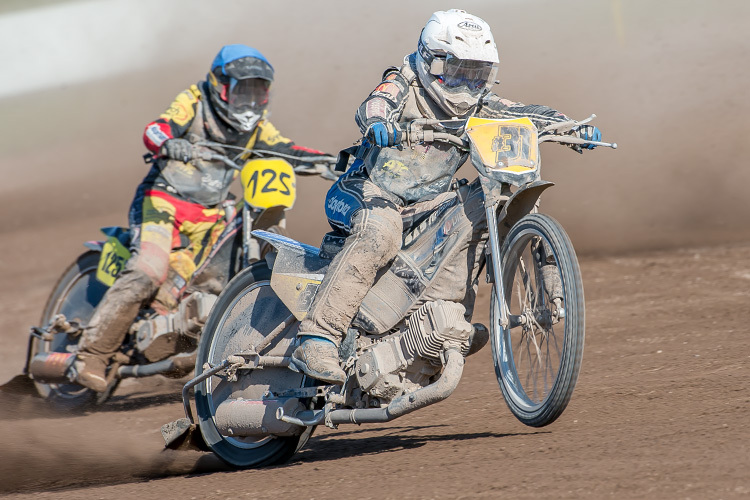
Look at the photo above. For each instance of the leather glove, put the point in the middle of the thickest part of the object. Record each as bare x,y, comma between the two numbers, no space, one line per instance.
384,134
589,133
178,149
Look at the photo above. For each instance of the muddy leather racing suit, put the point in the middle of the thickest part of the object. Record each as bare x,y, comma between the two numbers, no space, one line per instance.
180,205
384,193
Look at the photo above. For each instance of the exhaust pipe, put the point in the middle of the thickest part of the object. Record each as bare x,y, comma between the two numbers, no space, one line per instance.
52,367
433,393
249,417
178,366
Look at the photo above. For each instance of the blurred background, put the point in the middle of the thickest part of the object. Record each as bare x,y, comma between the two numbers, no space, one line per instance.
81,79
668,81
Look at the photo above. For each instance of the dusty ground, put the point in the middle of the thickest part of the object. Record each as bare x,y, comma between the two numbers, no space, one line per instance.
661,406
659,412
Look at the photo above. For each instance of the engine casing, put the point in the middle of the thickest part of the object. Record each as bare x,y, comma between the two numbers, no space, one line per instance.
406,361
159,337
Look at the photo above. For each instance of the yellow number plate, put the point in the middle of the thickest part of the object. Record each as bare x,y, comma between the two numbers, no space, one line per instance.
506,145
113,259
269,182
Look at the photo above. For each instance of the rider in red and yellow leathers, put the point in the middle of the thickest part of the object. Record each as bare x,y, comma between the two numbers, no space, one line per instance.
179,203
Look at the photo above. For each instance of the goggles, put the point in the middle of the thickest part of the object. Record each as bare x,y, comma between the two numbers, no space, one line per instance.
454,72
249,94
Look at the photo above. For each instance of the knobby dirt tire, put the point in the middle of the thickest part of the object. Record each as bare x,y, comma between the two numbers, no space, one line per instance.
544,410
237,453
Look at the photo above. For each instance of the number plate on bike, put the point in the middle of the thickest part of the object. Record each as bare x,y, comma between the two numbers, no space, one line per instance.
508,148
113,259
269,182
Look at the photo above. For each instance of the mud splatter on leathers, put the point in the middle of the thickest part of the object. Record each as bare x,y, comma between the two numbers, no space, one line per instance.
369,202
180,199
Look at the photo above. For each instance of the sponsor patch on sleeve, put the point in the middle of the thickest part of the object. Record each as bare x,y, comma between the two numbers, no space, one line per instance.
156,135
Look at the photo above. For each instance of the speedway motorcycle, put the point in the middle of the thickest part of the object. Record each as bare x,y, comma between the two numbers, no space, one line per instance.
161,341
253,409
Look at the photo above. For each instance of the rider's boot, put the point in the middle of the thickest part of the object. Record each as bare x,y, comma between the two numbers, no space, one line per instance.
110,324
318,358
91,371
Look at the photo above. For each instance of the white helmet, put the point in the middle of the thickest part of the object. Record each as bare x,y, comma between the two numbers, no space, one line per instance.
456,59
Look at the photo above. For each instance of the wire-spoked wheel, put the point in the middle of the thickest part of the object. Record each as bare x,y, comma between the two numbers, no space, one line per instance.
244,314
76,295
538,355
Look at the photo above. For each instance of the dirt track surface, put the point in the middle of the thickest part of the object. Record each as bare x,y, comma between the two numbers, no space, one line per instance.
659,412
662,402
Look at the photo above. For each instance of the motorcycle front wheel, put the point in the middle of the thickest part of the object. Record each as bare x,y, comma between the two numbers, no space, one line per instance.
76,295
538,355
244,314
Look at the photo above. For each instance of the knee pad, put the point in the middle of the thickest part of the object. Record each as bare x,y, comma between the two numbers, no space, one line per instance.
136,282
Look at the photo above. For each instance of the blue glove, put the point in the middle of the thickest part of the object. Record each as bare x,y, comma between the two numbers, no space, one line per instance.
384,134
589,133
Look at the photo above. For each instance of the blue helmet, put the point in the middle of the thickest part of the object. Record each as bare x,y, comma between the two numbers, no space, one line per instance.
239,82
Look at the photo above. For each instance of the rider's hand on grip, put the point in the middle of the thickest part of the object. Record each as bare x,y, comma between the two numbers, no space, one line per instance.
384,134
178,149
588,133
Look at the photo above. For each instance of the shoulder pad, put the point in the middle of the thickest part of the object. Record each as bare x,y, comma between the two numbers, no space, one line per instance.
408,70
195,91
391,69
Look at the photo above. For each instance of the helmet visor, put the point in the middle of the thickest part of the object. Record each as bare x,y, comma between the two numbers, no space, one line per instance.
250,94
466,72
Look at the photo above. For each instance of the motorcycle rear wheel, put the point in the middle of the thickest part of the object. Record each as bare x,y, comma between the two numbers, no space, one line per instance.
244,313
76,295
538,357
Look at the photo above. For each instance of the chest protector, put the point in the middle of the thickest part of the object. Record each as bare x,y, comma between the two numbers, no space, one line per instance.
201,181
421,172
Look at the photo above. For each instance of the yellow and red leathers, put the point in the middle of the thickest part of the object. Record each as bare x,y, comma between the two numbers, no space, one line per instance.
178,206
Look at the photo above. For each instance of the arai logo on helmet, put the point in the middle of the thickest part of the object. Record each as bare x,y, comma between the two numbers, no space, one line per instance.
469,26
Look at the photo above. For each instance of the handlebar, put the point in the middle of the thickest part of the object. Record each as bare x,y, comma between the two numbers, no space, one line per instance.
416,133
553,131
208,155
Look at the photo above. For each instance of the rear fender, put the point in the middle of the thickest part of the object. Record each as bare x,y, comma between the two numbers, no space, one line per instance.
121,233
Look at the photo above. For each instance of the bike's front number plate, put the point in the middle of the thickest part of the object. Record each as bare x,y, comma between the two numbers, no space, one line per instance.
509,149
269,182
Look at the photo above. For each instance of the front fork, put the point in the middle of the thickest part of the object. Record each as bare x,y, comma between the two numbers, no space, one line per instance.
250,246
495,194
497,272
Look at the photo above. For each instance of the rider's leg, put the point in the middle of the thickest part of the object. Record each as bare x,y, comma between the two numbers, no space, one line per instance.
157,221
152,225
375,233
110,323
